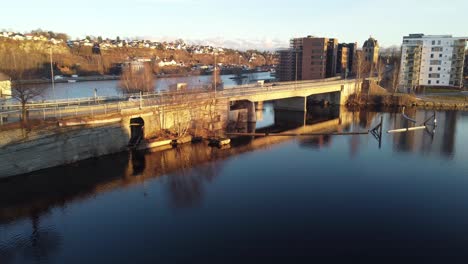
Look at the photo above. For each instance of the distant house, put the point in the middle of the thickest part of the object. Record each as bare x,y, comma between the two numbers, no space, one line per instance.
5,86
167,63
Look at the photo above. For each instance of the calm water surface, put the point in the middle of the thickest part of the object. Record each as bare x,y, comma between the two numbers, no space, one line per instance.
110,88
312,199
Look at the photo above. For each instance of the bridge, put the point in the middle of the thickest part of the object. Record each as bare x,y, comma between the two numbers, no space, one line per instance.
288,96
82,129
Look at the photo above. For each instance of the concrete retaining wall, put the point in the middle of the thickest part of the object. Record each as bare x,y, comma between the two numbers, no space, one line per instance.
23,152
60,148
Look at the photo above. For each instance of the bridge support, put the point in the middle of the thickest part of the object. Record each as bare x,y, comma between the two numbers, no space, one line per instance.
259,105
251,113
298,104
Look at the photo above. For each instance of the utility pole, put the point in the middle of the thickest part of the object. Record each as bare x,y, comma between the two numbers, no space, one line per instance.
295,83
52,74
214,72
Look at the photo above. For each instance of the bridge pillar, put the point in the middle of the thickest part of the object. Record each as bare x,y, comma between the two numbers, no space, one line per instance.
259,105
298,104
251,113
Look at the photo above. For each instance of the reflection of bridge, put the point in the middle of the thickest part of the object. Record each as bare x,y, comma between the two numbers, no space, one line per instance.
253,93
189,166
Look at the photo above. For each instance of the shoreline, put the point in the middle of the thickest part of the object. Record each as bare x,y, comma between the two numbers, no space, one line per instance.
405,100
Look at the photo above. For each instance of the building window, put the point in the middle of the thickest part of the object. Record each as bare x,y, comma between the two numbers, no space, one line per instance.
437,82
438,68
433,42
432,56
429,82
439,42
440,56
430,68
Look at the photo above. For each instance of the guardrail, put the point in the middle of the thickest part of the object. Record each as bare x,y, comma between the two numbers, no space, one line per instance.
115,104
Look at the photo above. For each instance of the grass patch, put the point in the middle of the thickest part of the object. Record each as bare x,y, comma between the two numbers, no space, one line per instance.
440,90
455,97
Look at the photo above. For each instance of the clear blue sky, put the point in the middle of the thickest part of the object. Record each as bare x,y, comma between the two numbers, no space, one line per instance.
261,22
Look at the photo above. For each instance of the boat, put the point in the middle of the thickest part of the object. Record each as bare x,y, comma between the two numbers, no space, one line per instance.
72,81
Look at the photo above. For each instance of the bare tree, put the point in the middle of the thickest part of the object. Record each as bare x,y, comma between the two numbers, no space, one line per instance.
21,92
360,66
25,94
380,69
395,75
216,77
137,80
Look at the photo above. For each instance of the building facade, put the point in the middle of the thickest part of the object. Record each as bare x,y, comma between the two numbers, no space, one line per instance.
431,61
308,58
465,72
371,51
346,58
342,60
287,65
5,86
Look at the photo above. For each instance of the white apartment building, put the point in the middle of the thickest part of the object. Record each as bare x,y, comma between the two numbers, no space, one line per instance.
432,61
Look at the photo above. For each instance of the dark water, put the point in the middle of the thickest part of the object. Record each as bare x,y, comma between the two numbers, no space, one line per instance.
312,199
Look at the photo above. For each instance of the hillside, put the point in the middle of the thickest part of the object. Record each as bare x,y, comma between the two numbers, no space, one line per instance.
27,59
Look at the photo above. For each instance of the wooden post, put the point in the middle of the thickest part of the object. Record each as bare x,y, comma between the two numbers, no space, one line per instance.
380,132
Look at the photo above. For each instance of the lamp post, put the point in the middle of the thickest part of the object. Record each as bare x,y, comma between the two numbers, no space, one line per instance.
295,82
52,74
215,74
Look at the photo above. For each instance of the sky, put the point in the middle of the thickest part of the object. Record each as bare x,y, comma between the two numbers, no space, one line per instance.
261,24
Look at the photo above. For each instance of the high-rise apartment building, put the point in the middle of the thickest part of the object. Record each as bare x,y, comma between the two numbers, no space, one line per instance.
345,59
342,60
286,70
308,59
465,72
432,61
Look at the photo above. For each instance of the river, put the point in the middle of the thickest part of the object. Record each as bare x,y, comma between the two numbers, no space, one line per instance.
322,199
111,88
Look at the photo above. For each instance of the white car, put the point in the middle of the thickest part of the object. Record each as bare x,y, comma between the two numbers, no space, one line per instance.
133,99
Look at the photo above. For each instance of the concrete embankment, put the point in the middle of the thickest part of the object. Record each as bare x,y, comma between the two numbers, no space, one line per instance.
68,140
54,147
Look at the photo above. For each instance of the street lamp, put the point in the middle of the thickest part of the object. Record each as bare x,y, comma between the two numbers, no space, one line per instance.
214,73
52,73
297,55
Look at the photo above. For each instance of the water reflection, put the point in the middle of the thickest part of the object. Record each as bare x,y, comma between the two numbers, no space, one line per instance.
442,143
37,246
262,180
188,167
